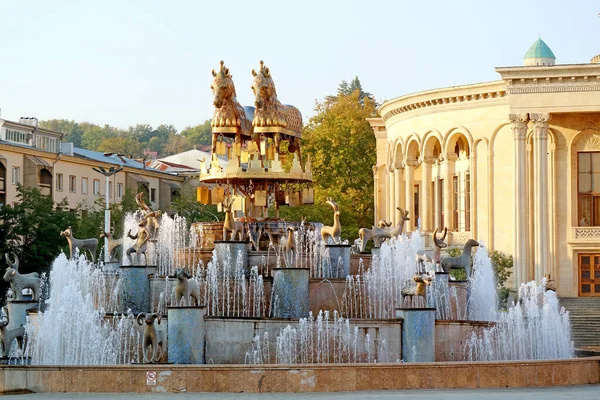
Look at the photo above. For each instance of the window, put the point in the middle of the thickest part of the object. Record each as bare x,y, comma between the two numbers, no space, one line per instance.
16,175
110,189
588,188
45,177
455,202
59,182
416,196
17,136
46,143
119,190
467,202
97,187
153,194
72,183
84,185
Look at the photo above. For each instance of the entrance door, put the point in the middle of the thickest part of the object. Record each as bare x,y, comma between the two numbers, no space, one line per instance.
589,274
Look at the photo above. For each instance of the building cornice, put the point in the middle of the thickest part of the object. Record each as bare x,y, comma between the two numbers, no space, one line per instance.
378,126
480,94
551,79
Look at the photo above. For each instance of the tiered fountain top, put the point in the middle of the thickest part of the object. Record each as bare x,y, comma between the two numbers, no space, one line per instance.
252,138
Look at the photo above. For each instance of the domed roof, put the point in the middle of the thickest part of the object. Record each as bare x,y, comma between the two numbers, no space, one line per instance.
539,54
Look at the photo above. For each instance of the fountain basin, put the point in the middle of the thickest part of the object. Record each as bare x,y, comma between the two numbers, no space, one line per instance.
135,288
290,297
186,335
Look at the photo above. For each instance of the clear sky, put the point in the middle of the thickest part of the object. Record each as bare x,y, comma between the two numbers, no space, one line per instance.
128,62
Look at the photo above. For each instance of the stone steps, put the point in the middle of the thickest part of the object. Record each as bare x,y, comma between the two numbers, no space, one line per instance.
584,314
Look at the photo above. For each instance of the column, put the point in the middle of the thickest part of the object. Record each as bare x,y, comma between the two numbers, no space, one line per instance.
437,203
409,169
473,193
540,195
521,237
426,202
399,190
449,161
391,197
375,194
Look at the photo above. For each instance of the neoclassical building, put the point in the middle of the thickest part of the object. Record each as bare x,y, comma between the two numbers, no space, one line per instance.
514,163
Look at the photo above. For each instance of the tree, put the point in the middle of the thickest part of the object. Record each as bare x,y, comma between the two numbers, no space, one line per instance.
199,135
342,148
187,205
93,135
176,144
347,89
71,129
122,145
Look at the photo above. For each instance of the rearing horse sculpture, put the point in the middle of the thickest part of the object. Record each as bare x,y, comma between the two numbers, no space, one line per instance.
272,116
229,118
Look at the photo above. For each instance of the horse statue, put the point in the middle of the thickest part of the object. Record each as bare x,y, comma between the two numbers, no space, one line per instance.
273,117
229,118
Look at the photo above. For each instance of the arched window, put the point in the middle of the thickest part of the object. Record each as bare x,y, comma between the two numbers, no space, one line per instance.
45,177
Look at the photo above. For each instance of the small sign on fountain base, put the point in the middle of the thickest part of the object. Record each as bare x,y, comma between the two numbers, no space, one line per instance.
418,334
185,333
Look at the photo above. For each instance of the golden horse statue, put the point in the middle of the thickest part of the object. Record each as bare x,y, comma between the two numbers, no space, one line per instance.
229,118
271,116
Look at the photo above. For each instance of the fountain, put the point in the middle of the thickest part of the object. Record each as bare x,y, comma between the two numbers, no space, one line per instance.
259,290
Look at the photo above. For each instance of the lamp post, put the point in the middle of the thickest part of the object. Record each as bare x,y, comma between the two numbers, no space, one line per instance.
107,173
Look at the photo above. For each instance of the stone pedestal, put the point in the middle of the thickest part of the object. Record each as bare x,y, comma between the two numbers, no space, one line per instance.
418,334
290,292
440,298
232,256
336,260
134,288
17,312
185,335
111,266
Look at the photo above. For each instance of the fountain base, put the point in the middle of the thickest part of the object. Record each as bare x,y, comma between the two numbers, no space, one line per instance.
418,334
186,335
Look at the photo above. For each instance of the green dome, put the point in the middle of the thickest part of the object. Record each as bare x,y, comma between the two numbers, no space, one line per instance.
539,49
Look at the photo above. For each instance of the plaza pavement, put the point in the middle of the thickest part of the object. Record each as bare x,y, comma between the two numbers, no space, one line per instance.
586,392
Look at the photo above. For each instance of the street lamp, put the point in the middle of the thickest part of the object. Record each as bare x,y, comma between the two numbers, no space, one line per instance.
107,173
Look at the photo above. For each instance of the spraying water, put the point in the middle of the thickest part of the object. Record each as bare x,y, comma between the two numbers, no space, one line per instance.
483,299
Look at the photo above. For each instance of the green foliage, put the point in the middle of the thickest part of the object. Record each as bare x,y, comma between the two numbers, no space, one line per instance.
186,205
31,229
199,135
502,265
341,145
457,274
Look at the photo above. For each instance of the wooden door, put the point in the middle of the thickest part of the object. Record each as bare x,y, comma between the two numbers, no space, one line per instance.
589,274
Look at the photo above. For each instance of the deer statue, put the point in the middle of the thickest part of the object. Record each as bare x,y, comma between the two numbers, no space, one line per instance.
236,228
187,288
334,231
81,244
380,234
416,296
9,335
290,247
366,234
18,281
153,336
461,262
434,256
113,244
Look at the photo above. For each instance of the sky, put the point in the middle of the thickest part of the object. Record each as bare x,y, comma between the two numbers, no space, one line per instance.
128,62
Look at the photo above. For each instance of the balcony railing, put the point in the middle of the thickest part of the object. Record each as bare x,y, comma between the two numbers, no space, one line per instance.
586,233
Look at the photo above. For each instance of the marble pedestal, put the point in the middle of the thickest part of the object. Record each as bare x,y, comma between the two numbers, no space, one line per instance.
17,312
232,256
418,334
290,292
135,288
185,335
336,260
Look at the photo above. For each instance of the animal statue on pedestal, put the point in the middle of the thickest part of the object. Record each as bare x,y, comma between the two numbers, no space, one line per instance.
366,234
334,231
7,336
81,244
290,247
271,116
229,117
154,336
19,282
113,245
141,245
415,296
461,262
231,226
150,216
434,256
187,288
380,234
